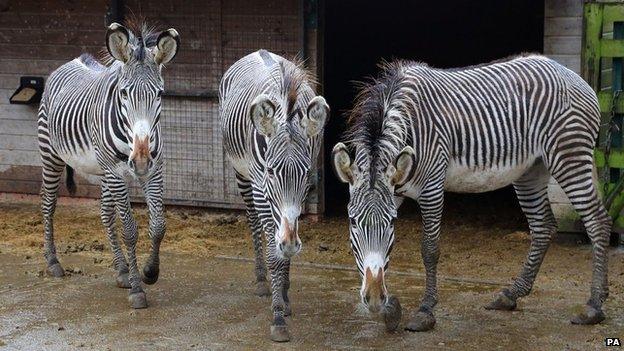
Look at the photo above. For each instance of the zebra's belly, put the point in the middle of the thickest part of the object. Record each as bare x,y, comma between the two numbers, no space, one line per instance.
463,179
83,161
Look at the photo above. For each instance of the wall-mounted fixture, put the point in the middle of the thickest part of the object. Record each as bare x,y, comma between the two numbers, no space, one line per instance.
29,91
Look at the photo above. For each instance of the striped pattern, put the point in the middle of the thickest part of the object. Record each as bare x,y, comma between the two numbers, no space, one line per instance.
273,158
89,118
516,121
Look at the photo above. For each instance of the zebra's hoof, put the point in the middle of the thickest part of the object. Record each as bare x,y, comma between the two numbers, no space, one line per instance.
421,321
150,275
123,280
262,288
502,303
55,270
590,316
138,300
392,314
279,333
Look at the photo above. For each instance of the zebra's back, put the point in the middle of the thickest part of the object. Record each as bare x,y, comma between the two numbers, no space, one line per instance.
496,120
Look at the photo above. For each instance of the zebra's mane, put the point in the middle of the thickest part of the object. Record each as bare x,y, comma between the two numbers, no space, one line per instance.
380,118
293,75
142,37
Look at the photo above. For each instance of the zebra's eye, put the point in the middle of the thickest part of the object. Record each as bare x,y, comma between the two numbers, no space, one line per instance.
352,221
270,172
124,94
393,221
159,94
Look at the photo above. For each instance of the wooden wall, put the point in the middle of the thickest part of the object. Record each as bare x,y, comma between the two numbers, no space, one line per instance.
35,38
38,36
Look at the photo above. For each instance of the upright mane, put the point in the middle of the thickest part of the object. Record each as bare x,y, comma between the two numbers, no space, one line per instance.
293,77
380,116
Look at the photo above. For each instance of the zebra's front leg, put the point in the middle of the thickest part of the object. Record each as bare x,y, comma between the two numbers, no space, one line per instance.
279,329
108,216
244,186
153,189
285,287
431,203
119,190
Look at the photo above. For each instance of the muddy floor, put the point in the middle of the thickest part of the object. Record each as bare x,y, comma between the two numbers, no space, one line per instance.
204,298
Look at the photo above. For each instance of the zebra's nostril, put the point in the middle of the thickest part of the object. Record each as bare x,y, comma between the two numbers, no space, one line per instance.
281,246
367,299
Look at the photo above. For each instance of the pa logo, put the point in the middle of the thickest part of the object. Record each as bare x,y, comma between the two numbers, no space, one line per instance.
613,342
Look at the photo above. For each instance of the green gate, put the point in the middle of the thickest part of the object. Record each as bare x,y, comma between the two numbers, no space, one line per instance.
602,67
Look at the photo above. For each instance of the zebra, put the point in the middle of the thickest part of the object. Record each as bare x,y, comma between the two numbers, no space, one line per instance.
418,131
104,120
272,125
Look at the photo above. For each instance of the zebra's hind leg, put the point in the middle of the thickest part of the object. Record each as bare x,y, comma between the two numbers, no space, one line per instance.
119,190
262,285
153,196
107,212
52,172
532,192
574,173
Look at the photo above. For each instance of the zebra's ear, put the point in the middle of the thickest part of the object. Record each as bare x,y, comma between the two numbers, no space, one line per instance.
167,46
342,163
316,116
262,114
117,38
399,172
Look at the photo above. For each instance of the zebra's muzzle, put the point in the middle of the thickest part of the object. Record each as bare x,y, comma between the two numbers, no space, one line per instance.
374,293
289,243
140,160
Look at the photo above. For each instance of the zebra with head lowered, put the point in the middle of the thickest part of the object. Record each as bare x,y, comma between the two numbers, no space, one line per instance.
272,129
104,120
418,131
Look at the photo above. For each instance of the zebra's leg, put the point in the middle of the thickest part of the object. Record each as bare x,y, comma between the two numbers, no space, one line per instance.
119,190
107,212
262,285
52,172
285,287
532,192
279,329
153,190
574,173
431,202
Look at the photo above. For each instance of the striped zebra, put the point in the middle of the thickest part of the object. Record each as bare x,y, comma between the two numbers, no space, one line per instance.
104,120
272,130
418,131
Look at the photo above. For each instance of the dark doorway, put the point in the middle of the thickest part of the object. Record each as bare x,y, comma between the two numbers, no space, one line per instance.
451,33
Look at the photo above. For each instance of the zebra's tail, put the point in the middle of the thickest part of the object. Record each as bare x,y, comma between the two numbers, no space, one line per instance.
69,180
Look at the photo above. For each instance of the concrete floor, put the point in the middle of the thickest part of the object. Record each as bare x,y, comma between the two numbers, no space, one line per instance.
204,303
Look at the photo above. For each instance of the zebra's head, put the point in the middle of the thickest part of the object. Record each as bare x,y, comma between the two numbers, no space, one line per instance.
286,128
372,212
140,85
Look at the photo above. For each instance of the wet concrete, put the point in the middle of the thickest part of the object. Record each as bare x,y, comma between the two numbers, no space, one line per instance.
207,303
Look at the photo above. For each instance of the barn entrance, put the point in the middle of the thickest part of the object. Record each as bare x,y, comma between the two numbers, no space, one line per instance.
454,33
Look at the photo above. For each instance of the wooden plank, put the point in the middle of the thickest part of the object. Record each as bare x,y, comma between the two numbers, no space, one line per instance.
612,48
613,13
562,45
590,55
563,8
563,26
